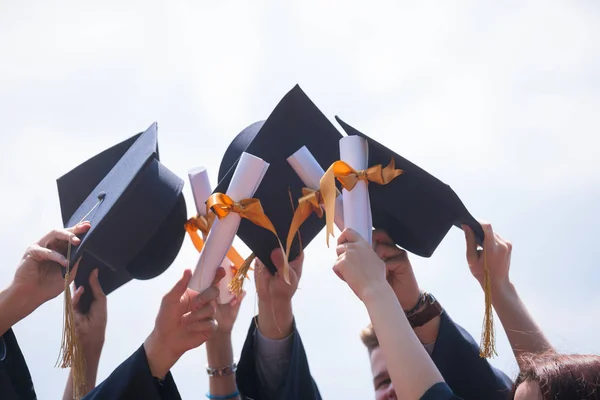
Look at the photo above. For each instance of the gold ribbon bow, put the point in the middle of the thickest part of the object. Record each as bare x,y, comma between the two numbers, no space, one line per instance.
349,177
252,210
203,224
310,202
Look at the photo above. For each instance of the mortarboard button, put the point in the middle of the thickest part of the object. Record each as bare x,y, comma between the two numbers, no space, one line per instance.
136,208
295,122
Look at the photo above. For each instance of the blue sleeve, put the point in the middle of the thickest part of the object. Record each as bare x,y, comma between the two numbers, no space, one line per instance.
133,380
440,391
298,383
469,376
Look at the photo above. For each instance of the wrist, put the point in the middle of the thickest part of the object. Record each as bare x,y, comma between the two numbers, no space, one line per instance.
15,304
160,359
502,291
219,338
275,320
373,291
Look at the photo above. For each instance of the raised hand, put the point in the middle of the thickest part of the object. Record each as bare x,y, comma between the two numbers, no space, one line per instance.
39,274
185,321
91,327
496,252
399,272
358,265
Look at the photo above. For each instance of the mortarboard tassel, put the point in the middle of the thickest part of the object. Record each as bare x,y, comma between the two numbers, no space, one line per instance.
487,348
237,283
71,355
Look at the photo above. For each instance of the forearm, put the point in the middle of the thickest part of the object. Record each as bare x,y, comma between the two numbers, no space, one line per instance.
409,365
219,354
275,320
91,372
14,306
524,335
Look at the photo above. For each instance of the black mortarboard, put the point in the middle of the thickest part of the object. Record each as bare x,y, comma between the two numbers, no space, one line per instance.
416,209
137,213
295,122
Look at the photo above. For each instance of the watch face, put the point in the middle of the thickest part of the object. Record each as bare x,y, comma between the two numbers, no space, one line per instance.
2,349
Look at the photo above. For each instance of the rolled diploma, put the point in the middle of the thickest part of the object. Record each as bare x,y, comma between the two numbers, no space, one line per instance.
246,179
201,190
357,206
310,172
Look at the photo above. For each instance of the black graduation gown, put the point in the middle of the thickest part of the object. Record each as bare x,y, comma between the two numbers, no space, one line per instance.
456,355
133,380
299,384
15,380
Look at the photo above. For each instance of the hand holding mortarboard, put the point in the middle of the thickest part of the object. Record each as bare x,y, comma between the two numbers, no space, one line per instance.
91,331
185,321
39,275
275,295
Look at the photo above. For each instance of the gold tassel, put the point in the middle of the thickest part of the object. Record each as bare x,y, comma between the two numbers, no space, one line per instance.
71,355
487,348
237,283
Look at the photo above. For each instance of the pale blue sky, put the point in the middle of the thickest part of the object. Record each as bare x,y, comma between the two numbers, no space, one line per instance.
498,100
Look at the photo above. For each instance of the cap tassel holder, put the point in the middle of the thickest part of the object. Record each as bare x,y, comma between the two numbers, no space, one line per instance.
71,355
487,348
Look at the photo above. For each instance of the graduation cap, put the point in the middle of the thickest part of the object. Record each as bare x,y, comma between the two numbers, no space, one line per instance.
136,209
417,210
295,122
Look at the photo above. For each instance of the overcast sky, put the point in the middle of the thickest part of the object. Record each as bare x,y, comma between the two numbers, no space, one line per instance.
498,99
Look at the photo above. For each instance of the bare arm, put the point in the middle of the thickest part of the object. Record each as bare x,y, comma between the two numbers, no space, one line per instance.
219,353
523,333
410,367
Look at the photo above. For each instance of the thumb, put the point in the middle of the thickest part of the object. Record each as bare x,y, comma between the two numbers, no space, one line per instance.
180,287
277,259
472,256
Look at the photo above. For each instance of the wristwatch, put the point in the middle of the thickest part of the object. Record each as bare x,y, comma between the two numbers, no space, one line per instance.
428,309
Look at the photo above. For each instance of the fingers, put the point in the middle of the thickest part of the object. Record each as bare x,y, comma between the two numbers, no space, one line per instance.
95,285
208,326
77,296
336,269
73,271
472,254
205,297
207,311
40,254
382,237
237,300
218,276
349,236
174,295
386,251
80,228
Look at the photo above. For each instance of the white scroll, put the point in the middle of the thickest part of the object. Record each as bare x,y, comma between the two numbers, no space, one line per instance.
246,179
310,172
201,190
354,151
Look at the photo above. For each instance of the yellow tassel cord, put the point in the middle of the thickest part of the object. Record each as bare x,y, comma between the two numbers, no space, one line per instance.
237,283
487,348
71,355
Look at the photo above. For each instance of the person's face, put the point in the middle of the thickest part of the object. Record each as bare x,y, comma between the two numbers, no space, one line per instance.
528,390
384,389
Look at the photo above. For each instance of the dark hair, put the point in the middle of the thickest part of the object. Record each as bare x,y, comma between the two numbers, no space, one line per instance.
561,376
369,338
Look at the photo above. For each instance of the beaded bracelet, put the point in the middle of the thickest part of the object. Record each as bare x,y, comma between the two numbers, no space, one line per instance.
419,304
223,397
